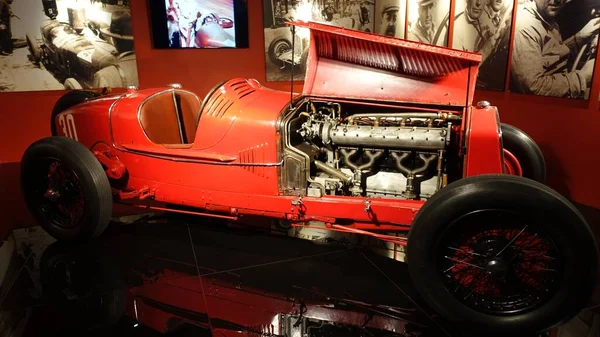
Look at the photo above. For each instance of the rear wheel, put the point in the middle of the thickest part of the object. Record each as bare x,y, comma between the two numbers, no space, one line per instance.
522,156
504,253
66,189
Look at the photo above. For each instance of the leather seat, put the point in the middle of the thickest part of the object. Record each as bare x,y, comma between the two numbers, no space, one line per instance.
159,119
171,117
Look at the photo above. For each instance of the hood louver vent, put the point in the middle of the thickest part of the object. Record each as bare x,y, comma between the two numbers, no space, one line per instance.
224,97
218,104
242,89
384,56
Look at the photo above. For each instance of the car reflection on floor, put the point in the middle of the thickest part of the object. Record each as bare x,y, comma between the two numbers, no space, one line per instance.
147,279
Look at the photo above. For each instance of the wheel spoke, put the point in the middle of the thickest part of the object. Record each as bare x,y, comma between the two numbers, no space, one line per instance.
500,268
511,241
463,262
469,252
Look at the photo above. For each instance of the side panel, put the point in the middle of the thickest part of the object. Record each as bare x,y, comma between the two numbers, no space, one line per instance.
483,142
326,209
237,123
87,123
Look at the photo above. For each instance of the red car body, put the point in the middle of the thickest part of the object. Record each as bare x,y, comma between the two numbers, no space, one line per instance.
233,162
383,140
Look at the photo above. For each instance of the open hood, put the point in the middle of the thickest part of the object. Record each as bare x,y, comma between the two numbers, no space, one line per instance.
347,63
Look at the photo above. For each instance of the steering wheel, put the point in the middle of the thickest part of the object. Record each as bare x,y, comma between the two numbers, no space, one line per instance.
586,52
444,26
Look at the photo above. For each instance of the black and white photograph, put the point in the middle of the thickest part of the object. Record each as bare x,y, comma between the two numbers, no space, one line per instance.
66,44
484,26
390,18
280,61
428,21
555,43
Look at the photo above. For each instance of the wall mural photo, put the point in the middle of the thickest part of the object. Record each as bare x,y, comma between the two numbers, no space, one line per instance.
280,61
66,44
484,26
555,43
428,21
390,17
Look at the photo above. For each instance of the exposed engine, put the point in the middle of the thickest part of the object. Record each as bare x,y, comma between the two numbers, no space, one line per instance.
342,149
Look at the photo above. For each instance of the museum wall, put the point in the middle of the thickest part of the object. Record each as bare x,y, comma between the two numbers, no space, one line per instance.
565,129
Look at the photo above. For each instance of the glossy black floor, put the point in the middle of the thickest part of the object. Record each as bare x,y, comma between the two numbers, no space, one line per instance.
188,279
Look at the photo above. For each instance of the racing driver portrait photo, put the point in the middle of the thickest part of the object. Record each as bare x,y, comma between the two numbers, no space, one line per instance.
555,43
484,26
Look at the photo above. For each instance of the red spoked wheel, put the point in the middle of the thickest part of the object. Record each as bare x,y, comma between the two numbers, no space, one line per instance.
63,198
511,164
501,268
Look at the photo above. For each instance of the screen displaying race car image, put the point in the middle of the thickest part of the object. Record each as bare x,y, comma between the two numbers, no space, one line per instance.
199,24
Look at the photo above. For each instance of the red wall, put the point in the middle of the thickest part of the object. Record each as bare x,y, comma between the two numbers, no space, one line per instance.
565,129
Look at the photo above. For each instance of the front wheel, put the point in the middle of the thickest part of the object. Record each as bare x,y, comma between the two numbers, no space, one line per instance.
503,254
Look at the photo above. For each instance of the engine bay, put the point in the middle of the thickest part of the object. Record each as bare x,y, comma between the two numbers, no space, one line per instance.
369,150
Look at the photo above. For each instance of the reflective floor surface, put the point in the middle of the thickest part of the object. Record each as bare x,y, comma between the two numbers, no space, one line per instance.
210,279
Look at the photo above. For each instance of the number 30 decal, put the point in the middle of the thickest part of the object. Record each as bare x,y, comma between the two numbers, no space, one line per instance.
68,126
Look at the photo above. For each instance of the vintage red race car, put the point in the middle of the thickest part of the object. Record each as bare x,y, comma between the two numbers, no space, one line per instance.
384,141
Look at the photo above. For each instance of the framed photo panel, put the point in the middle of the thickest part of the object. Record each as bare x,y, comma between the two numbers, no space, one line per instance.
63,44
554,48
390,18
485,26
280,60
428,21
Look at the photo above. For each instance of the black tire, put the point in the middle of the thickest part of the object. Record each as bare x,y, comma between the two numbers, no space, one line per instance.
500,205
66,101
80,179
527,152
278,46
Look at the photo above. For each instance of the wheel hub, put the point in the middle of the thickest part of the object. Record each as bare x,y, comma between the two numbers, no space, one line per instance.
497,267
500,269
52,194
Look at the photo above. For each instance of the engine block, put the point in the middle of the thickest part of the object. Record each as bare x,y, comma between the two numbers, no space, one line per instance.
395,154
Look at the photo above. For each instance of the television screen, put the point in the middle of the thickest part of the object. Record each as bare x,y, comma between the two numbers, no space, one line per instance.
179,24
